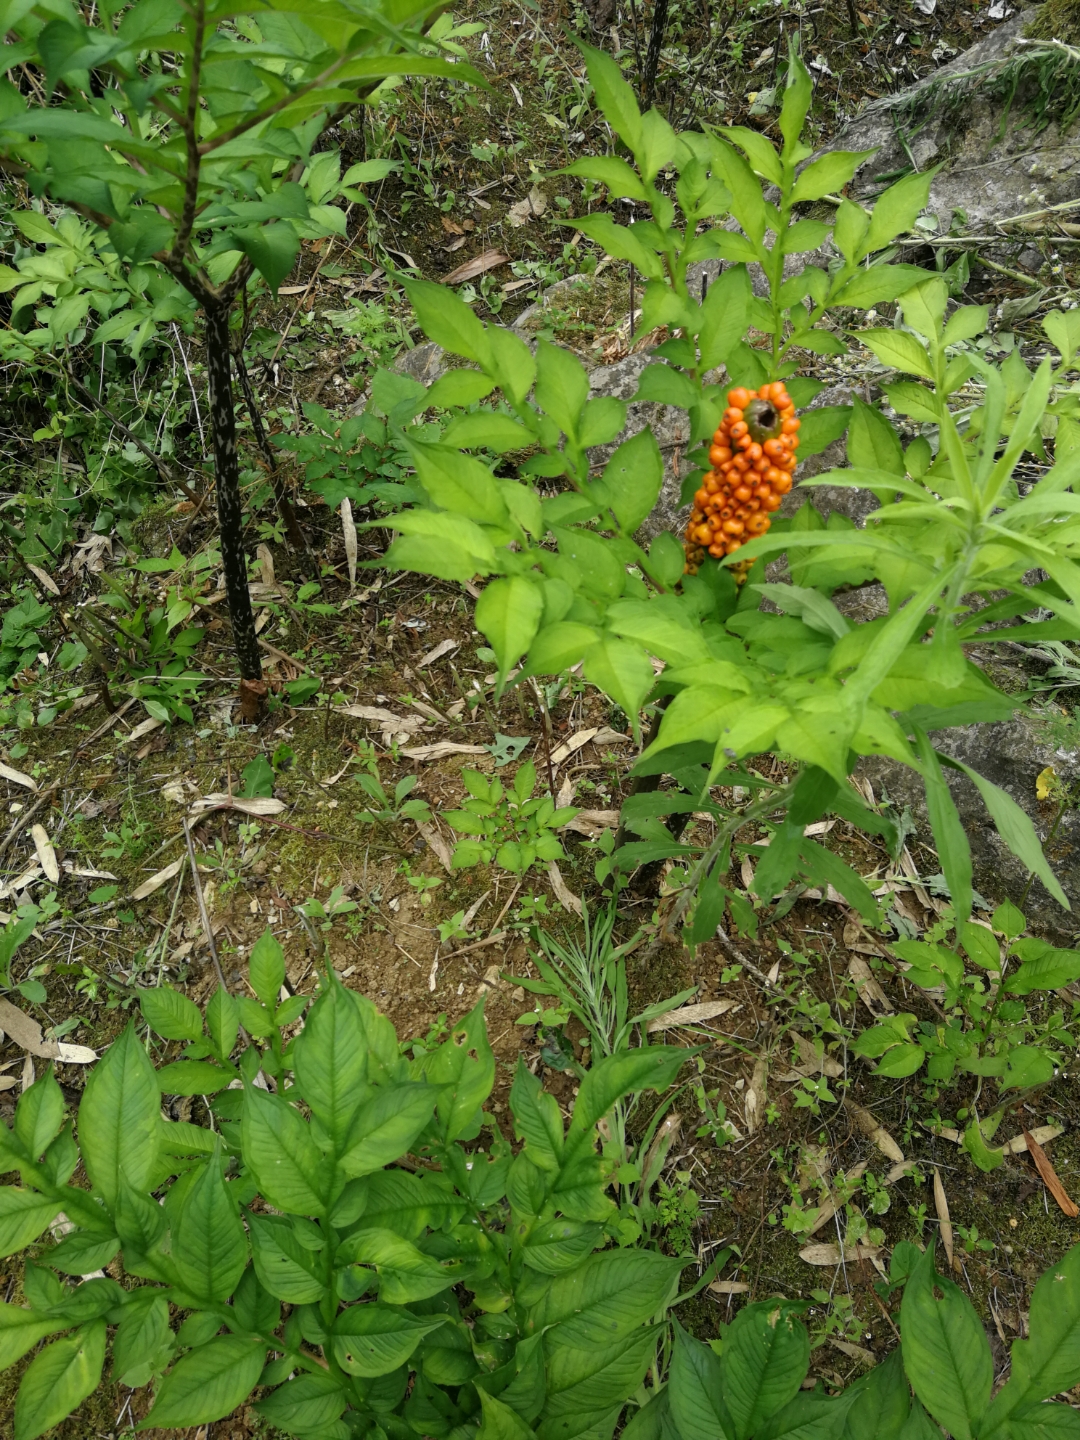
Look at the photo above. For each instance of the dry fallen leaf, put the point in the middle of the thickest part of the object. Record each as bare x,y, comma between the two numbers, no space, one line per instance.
691,1015
348,530
26,1033
592,823
831,1203
256,805
444,647
45,852
489,260
729,1287
826,1254
1042,1136
867,987
455,244
44,578
941,1205
809,1062
451,226
855,1352
1050,1178
266,564
441,749
142,729
531,208
756,1095
570,747
385,719
17,777
436,844
156,881
875,1131
566,898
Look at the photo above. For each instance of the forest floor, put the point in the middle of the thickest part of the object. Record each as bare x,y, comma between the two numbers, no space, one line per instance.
113,793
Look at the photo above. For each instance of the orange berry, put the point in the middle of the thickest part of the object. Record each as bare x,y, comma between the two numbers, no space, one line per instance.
718,454
732,545
701,499
783,485
717,549
740,428
739,398
742,493
772,503
791,426
734,526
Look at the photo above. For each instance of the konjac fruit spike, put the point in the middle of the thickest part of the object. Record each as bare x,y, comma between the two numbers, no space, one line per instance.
753,459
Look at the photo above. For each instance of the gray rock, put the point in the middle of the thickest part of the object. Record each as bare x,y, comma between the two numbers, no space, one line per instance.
953,117
1010,754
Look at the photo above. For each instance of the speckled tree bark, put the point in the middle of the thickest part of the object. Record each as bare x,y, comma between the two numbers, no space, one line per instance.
230,510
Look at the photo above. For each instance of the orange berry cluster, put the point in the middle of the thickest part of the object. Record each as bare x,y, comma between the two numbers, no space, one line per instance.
753,459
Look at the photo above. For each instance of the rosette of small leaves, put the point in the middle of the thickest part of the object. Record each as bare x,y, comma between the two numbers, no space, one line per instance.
507,826
281,1247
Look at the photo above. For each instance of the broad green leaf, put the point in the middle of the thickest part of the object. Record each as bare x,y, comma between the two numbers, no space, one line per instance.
194,1077
171,1015
508,613
1049,1361
764,1360
724,315
489,429
20,1331
446,319
465,1064
59,1378
760,153
798,93
386,1126
1049,969
896,210
562,386
695,1389
459,483
899,350
651,1067
872,442
207,1383
459,387
556,1246
614,96
500,1422
537,1119
267,968
143,1340
829,174
222,1021
282,1155
623,672
306,1404
946,1356
609,170
285,1268
587,1387
39,1115
405,1273
209,1244
118,1117
272,249
330,1057
621,243
820,427
633,477
607,1297
882,1403
376,1339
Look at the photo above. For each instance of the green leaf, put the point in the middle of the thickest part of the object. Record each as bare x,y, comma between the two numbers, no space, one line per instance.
946,1356
459,387
695,1390
872,442
620,242
508,613
1049,1361
555,1246
446,319
901,1061
305,1405
272,249
267,968
284,1267
899,350
798,93
20,1331
613,95
405,1273
1049,969
193,1077
1016,829
537,1119
562,386
209,1243
896,210
171,1015
59,1378
464,1063
118,1118
39,1115
282,1155
765,1357
882,1403
386,1127
633,477
376,1339
587,1388
651,1067
458,483
949,834
620,179
724,316
207,1383
830,174
489,429
757,149
330,1058
623,672
880,282
605,1299
821,427
500,1422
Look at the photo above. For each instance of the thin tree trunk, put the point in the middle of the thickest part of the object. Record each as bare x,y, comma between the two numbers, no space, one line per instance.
284,504
652,55
230,512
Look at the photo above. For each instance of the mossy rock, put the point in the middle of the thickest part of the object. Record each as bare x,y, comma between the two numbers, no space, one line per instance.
1056,20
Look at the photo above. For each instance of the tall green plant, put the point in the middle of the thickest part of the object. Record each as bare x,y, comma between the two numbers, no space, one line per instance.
182,131
952,542
465,1288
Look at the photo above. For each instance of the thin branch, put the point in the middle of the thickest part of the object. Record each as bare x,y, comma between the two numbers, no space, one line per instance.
191,138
